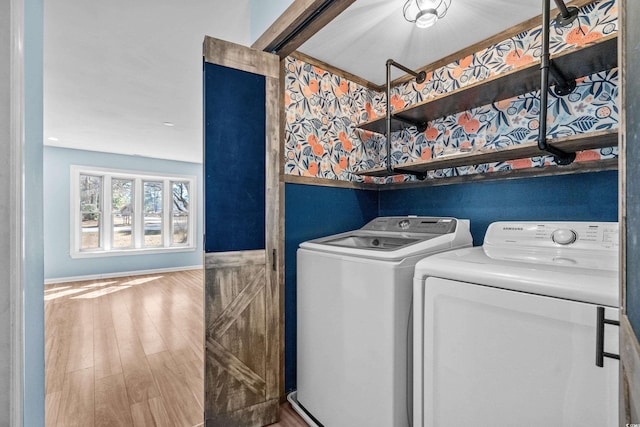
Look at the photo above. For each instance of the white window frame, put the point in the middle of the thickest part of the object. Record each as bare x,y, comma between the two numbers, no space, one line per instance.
137,219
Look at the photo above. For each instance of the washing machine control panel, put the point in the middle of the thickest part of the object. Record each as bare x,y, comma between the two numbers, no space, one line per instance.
417,224
579,235
564,236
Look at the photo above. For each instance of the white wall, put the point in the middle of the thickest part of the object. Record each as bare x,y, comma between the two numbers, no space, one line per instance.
33,268
59,265
5,156
33,369
29,301
264,13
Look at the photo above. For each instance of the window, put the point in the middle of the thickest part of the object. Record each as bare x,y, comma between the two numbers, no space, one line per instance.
90,208
180,215
121,211
116,212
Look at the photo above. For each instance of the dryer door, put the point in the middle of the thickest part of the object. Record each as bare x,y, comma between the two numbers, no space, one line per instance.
493,357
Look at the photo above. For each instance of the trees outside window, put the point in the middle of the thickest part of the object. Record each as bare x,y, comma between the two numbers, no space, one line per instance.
134,212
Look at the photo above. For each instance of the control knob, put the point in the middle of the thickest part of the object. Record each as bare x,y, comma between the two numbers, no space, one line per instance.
564,236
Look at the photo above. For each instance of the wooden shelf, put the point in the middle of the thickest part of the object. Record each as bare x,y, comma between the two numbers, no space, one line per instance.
573,143
578,62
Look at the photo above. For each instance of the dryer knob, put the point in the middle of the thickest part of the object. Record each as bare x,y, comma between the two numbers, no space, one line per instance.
564,236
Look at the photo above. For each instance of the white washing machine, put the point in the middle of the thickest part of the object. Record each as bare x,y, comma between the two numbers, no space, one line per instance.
521,331
353,302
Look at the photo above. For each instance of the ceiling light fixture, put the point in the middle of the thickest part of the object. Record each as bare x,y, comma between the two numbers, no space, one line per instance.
425,13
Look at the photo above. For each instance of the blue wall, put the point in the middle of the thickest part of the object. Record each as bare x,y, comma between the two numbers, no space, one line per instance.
57,261
234,153
579,197
312,212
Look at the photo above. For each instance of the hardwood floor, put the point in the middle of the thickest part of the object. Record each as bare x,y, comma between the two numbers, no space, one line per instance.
128,352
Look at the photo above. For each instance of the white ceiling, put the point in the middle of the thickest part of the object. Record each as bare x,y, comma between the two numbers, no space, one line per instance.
115,71
364,36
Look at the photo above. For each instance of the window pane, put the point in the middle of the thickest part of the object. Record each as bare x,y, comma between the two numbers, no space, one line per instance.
90,206
180,214
121,198
152,214
90,231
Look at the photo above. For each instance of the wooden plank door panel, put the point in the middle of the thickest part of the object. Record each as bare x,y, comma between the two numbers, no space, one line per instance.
236,337
243,330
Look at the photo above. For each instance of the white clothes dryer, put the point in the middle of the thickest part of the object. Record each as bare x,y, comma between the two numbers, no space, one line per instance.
353,302
521,331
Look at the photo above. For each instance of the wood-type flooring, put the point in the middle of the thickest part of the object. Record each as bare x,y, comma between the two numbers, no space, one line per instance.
128,351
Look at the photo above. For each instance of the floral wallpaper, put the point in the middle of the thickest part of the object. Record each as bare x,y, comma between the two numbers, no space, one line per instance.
322,109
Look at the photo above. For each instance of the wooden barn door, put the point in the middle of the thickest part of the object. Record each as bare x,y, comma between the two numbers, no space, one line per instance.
242,199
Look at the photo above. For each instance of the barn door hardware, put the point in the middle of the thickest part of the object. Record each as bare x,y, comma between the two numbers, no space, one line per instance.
563,86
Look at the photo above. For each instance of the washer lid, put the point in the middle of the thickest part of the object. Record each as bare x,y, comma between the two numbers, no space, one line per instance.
395,238
586,276
376,241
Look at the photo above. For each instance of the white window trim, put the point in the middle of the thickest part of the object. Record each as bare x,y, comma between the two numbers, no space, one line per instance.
138,217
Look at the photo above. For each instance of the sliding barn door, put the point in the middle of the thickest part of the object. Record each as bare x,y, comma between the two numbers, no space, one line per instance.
242,199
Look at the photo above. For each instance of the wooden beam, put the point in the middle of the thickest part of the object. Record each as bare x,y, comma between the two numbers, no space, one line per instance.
571,143
325,182
286,23
232,55
582,167
298,24
574,168
630,359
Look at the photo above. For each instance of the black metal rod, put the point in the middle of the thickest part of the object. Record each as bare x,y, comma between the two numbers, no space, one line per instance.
564,11
403,68
562,157
600,337
544,77
611,355
390,62
556,74
567,14
420,77
563,85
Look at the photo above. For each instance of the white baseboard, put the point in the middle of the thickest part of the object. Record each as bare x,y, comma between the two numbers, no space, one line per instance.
119,274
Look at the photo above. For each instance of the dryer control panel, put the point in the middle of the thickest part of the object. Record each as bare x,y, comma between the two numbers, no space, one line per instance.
578,235
412,224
